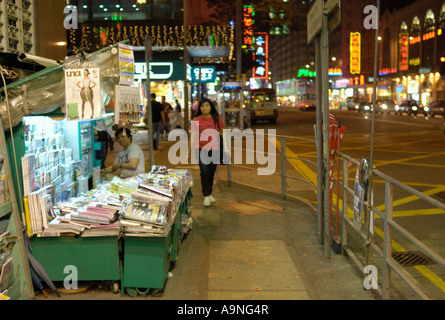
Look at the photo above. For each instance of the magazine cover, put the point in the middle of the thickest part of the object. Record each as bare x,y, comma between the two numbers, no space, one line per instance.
82,90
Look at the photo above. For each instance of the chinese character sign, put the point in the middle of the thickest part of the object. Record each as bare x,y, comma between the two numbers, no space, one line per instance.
248,22
403,51
261,56
355,52
205,75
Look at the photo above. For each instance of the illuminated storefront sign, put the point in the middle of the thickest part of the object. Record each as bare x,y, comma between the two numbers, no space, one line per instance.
414,40
208,74
335,72
429,35
413,87
341,83
414,61
387,71
261,56
354,50
173,70
248,22
403,51
357,80
306,73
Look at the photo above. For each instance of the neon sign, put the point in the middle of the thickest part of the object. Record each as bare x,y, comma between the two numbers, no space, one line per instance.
354,50
306,73
335,72
429,35
414,40
357,81
403,52
205,75
261,56
248,21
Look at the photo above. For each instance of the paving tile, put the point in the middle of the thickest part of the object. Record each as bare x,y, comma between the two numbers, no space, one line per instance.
258,295
263,276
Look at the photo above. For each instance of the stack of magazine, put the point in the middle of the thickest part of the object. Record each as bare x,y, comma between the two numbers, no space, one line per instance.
93,220
140,218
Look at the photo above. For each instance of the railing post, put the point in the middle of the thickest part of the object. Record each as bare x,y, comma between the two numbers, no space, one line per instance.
344,209
387,242
283,167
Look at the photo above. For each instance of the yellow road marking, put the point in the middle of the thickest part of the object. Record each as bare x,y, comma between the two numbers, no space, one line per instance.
424,271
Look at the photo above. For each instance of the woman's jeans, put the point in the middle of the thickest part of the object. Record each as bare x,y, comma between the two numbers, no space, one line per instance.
207,174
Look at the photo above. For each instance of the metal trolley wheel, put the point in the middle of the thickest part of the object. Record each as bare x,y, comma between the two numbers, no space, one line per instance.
131,292
115,287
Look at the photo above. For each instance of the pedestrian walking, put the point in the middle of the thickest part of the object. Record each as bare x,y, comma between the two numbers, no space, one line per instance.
157,120
208,146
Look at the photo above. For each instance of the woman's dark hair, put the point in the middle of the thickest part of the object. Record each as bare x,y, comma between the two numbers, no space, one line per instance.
213,111
127,132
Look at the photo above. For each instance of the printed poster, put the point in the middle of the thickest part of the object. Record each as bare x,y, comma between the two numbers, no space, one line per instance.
126,65
82,93
359,198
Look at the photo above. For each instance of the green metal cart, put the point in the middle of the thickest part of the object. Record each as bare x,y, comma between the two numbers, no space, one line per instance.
147,260
94,258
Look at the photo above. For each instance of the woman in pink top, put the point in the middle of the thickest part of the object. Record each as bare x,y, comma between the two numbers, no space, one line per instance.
209,124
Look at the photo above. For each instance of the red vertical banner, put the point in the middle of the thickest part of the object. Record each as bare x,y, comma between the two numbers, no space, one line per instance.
355,53
248,24
403,51
261,56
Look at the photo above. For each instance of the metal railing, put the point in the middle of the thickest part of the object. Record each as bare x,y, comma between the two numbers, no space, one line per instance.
282,174
388,263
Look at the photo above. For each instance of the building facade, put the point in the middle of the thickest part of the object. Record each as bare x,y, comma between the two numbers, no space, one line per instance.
413,43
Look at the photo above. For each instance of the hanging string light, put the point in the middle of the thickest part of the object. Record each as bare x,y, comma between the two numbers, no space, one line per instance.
163,38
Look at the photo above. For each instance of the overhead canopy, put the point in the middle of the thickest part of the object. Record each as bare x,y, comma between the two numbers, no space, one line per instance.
44,91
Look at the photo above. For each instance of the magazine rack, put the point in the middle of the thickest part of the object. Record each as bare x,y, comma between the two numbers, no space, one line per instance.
19,283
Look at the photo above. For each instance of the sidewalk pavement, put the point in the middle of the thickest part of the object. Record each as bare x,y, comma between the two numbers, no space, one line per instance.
249,245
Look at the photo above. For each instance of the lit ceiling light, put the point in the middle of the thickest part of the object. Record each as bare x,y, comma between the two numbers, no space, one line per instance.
105,9
61,43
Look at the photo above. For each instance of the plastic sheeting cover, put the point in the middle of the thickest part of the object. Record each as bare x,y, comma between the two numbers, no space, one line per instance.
45,92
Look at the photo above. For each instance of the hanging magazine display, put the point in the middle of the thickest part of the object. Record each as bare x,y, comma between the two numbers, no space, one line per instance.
360,188
82,90
126,65
359,197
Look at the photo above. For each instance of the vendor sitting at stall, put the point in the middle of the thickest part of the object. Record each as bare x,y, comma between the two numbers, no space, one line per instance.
130,161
